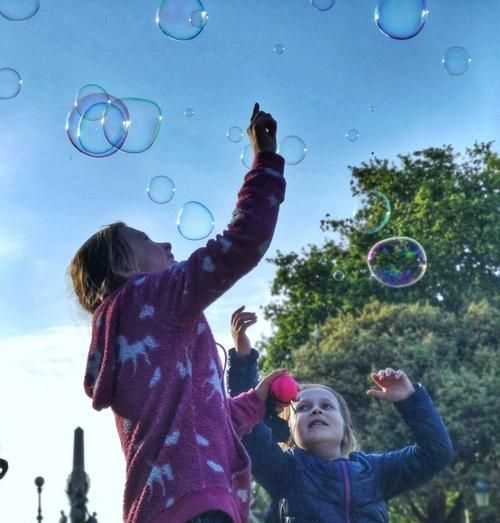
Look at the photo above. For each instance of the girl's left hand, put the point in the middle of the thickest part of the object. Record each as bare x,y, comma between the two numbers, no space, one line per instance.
264,386
395,385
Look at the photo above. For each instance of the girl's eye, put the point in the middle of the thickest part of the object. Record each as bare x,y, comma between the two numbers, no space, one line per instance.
301,407
328,406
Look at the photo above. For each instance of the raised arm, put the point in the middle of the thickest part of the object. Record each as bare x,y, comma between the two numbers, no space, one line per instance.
411,466
213,269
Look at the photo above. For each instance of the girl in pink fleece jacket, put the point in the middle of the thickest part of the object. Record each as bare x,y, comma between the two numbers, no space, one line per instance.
153,358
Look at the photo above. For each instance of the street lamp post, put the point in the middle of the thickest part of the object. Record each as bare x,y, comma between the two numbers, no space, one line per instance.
39,481
482,495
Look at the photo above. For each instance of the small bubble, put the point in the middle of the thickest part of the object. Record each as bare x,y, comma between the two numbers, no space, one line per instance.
189,112
279,49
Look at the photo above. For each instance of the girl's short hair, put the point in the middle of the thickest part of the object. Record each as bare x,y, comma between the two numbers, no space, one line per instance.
101,266
349,440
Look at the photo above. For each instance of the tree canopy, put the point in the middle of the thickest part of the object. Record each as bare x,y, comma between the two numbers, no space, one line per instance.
454,356
447,201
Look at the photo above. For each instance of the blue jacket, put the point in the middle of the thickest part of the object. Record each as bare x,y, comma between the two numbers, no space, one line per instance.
310,489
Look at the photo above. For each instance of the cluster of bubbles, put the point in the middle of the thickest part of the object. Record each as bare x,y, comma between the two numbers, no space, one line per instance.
18,11
100,124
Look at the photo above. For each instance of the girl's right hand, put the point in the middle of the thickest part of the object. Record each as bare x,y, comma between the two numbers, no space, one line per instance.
263,388
262,131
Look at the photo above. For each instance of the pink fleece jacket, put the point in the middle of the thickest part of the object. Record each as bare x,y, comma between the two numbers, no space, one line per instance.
153,360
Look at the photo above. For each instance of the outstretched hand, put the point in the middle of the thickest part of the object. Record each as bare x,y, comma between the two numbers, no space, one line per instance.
262,131
394,385
240,321
263,388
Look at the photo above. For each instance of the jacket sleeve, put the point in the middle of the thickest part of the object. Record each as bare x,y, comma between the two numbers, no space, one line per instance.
246,411
412,466
242,375
271,466
186,289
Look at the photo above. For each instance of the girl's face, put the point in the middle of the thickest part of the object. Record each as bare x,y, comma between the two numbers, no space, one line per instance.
150,256
316,422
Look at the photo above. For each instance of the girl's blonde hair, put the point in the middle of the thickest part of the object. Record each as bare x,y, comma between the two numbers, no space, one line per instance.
101,266
349,441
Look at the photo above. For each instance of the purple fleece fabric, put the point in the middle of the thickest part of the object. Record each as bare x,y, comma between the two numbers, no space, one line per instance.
153,360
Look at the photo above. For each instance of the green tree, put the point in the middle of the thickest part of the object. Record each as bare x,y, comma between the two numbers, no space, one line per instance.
456,357
448,202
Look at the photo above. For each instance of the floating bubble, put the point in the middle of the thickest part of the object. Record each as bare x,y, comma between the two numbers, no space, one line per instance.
372,212
397,262
401,19
279,48
98,136
371,108
175,18
142,125
247,156
338,275
198,18
456,61
88,90
293,149
195,221
234,134
323,5
161,189
88,135
10,83
352,135
19,10
188,113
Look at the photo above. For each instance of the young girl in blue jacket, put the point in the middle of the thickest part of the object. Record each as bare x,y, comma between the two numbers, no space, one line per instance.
321,477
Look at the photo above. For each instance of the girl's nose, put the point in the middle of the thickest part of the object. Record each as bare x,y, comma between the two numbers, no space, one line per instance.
167,246
316,410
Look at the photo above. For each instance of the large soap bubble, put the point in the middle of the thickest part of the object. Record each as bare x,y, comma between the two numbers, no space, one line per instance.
371,213
293,149
87,134
195,221
181,19
401,19
19,10
397,262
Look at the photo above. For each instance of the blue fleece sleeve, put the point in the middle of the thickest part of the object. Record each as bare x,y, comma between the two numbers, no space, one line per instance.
412,466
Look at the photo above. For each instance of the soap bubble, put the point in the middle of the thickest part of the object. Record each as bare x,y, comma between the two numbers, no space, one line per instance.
188,113
338,275
175,18
198,18
323,5
88,90
279,48
401,19
161,189
247,156
397,262
293,149
234,134
10,83
88,135
142,125
372,212
19,10
92,135
195,221
352,135
456,61
371,108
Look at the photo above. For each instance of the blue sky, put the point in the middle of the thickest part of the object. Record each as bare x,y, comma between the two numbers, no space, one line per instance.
336,64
